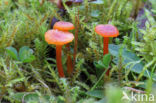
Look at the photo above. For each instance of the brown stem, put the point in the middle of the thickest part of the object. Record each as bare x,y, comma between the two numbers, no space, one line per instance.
58,60
69,61
76,37
120,69
105,49
135,90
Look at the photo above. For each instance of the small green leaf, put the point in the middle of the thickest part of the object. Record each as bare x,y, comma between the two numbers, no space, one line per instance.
26,54
12,52
104,63
30,59
99,64
106,60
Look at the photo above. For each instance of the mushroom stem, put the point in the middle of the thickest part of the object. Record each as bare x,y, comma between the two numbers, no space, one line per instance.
105,45
69,60
58,60
106,50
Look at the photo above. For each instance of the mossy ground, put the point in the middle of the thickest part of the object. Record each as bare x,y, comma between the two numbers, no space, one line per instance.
28,70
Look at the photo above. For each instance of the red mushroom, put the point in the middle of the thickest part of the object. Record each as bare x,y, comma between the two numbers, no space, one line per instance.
106,31
59,38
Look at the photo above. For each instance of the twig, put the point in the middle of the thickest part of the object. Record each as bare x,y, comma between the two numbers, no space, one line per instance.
134,90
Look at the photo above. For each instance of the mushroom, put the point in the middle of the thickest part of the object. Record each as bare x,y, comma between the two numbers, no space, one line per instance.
66,26
58,38
106,31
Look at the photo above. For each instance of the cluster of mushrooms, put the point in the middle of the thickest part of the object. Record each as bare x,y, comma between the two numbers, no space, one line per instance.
60,36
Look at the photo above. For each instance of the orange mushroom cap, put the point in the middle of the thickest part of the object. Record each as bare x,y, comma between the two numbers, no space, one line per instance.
107,30
58,37
63,26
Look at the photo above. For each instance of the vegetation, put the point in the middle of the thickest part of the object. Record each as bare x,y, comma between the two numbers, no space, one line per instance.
28,71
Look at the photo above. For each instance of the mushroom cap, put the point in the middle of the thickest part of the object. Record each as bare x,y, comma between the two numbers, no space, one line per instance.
107,30
58,37
63,26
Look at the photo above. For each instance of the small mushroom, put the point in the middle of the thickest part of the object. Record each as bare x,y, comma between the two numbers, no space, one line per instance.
58,38
66,26
106,31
